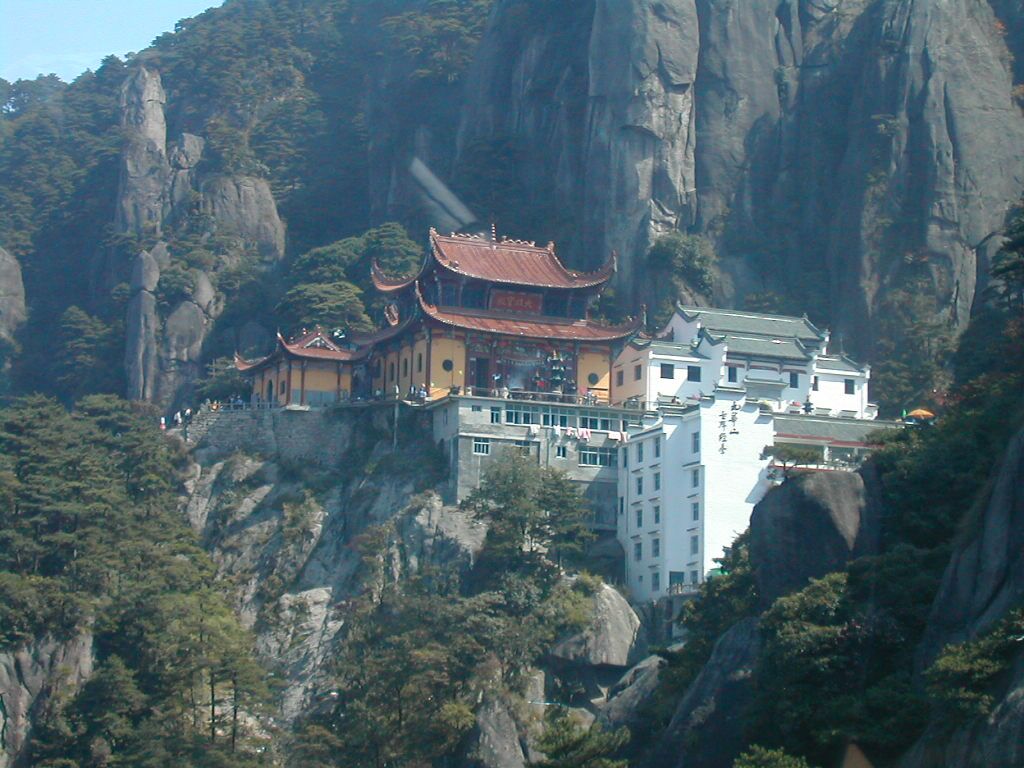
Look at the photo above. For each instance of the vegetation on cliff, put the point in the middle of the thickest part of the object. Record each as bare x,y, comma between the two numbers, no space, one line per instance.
91,540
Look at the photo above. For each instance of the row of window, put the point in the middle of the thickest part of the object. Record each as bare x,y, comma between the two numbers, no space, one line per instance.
588,456
656,509
693,373
640,483
405,367
638,548
548,416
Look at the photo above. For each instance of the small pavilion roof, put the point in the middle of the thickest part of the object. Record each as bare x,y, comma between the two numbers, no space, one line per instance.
310,345
539,327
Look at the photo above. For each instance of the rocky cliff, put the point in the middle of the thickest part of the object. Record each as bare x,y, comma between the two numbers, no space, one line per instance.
12,300
817,143
163,192
983,581
28,677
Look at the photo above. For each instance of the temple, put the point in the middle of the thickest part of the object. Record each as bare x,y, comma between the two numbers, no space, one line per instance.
481,316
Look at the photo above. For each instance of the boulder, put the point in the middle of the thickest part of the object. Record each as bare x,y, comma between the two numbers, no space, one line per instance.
203,293
495,742
809,526
706,729
614,637
145,273
244,206
627,698
12,296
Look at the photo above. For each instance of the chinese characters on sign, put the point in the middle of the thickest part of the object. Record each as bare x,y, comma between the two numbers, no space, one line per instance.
519,302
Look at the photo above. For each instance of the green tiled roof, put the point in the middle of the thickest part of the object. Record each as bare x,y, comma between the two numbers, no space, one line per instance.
762,346
838,363
729,321
828,429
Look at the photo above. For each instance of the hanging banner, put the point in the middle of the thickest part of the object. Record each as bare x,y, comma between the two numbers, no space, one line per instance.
517,302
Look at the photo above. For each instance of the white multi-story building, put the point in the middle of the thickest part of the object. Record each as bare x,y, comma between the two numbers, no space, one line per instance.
783,362
717,389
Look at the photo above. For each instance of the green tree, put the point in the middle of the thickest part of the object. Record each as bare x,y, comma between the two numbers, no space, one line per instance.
676,261
331,305
759,757
567,744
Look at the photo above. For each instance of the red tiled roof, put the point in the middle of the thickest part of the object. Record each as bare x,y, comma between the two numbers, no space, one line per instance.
537,327
514,262
312,345
389,284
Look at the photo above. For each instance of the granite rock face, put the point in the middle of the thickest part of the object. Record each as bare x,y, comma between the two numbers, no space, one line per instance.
706,728
161,183
12,296
809,526
815,142
28,676
983,581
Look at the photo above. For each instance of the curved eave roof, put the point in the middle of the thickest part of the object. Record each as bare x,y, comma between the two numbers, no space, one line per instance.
511,262
538,327
386,283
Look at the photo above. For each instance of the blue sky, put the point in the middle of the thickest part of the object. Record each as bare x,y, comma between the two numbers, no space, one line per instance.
66,37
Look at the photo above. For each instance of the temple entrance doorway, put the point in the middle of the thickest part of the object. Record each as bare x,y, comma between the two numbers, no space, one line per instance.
481,373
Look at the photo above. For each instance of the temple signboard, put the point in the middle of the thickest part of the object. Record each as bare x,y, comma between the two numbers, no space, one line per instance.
517,301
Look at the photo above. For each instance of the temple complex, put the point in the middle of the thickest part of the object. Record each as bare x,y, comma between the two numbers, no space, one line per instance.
481,316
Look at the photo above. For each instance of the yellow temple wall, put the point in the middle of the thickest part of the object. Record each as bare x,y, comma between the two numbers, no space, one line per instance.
405,368
420,351
324,377
442,349
598,363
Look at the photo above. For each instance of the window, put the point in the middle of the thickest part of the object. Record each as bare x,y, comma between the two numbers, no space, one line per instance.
496,415
476,408
640,486
668,371
694,545
405,367
657,515
592,379
618,378
848,384
655,547
695,442
695,509
656,581
694,478
447,365
657,481
638,372
639,518
419,362
693,373
625,457
622,505
638,550
794,379
657,447
281,388
391,371
518,413
556,417
639,453
602,422
525,447
814,383
560,452
694,577
733,373
482,446
598,457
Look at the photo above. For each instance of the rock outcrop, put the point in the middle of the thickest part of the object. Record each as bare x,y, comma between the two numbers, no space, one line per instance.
12,297
626,699
809,526
983,581
816,143
28,676
706,728
614,638
161,186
